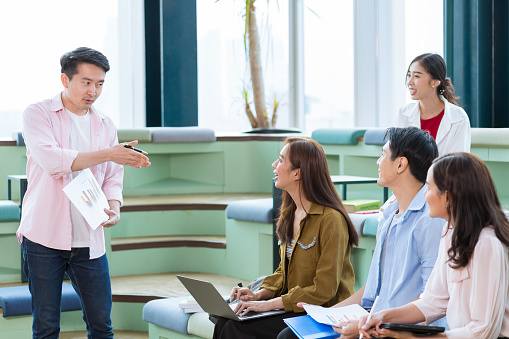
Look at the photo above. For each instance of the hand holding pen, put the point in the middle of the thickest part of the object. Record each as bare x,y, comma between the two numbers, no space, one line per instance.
135,149
364,326
126,154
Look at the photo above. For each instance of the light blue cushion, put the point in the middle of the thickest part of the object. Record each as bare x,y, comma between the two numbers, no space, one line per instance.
182,134
9,211
166,313
375,136
337,136
370,227
17,300
258,210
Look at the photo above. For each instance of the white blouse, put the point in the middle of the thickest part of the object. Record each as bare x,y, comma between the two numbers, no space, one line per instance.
453,134
475,297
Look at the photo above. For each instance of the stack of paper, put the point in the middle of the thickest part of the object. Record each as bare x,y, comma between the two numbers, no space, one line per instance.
190,306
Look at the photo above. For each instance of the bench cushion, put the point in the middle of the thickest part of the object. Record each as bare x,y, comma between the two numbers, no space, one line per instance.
130,134
17,300
375,136
9,211
337,136
359,220
166,313
490,137
370,226
257,210
200,325
182,134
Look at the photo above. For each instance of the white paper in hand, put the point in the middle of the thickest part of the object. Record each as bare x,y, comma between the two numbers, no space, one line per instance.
329,316
86,195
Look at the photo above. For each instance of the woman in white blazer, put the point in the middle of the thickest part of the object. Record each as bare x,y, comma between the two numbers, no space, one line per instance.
436,106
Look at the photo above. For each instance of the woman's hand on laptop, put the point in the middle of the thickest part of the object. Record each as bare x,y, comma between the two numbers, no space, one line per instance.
245,294
258,306
242,294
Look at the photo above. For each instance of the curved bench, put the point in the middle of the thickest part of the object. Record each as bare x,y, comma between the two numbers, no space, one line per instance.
135,243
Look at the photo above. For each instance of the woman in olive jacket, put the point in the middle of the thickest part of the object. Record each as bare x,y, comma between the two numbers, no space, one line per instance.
316,237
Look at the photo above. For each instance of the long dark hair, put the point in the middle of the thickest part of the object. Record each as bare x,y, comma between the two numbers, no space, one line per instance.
473,203
435,66
316,186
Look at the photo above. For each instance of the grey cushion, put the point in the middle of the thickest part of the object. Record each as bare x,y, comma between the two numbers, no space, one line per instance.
9,211
166,313
358,221
258,210
17,300
375,136
182,134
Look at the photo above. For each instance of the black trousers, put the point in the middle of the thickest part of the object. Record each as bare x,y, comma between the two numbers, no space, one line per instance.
287,333
262,328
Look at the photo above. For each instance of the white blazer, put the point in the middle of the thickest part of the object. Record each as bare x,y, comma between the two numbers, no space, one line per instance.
454,131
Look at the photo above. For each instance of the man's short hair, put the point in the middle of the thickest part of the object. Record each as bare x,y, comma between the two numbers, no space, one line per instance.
70,61
417,146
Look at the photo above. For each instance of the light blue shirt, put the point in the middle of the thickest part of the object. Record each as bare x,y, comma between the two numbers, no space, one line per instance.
410,253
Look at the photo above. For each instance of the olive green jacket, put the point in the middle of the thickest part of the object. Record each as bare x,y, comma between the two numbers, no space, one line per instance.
319,271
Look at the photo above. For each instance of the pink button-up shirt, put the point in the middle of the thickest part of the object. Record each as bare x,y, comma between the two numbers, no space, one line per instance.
474,297
46,217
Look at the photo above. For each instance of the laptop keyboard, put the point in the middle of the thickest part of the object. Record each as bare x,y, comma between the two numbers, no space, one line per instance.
247,315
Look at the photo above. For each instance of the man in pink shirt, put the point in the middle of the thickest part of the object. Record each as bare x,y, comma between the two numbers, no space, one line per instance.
63,136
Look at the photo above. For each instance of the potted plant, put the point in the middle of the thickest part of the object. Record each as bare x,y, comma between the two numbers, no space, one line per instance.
258,117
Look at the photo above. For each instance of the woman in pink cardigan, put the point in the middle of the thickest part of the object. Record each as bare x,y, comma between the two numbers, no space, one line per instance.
470,281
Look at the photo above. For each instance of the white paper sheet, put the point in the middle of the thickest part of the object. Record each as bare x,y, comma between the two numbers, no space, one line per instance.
327,315
86,195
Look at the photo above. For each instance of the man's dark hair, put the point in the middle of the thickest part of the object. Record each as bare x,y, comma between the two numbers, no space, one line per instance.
70,61
417,146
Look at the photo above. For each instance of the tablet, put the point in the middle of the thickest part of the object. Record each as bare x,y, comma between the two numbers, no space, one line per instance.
420,329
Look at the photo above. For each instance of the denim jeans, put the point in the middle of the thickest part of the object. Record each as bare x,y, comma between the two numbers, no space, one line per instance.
45,269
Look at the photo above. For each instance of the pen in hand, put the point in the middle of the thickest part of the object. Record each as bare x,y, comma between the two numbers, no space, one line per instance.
135,149
370,314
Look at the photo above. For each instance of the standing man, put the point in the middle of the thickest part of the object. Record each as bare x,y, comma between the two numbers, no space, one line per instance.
63,136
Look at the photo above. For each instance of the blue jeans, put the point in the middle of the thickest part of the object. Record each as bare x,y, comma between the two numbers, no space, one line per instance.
45,269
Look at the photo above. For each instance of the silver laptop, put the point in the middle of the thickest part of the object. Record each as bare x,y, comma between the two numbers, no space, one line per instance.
211,301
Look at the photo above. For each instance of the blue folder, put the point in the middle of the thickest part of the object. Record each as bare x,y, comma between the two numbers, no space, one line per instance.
306,327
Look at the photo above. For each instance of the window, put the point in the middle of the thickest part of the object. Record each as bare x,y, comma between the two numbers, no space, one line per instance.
328,64
34,35
223,69
424,32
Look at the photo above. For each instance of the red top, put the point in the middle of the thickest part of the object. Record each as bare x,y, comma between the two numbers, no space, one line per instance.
431,125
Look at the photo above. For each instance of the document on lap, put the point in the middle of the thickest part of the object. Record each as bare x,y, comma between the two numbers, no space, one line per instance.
333,316
86,195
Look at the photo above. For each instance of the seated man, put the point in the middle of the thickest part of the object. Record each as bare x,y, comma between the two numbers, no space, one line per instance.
408,238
